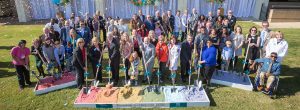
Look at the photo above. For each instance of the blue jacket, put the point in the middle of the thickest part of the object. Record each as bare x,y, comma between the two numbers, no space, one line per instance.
149,25
275,69
209,56
85,34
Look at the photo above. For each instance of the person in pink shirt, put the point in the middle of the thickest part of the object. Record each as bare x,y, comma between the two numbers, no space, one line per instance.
20,55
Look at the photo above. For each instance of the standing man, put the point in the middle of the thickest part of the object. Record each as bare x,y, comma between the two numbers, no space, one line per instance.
264,38
184,28
102,23
85,33
114,56
20,55
65,33
177,24
193,21
171,20
157,18
149,24
141,15
53,24
209,61
231,19
148,51
162,53
186,57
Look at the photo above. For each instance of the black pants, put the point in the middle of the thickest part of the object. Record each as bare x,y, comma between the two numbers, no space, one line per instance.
127,65
39,67
94,66
208,72
162,69
219,58
183,36
115,66
185,66
79,77
23,75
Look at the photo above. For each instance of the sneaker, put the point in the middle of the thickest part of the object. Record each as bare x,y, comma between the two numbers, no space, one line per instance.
260,88
265,92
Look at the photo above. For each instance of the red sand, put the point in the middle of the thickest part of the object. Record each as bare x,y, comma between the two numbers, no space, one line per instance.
88,98
49,81
111,98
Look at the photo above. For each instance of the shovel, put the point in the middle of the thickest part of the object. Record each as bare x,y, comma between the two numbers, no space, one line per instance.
173,76
158,88
198,82
190,75
33,72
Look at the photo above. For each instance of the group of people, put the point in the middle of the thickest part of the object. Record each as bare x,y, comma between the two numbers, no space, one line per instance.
207,42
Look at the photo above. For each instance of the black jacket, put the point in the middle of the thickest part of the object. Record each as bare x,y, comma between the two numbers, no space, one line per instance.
78,60
186,51
114,49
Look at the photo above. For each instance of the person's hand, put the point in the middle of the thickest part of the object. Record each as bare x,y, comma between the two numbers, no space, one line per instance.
251,67
201,62
85,68
268,74
236,48
146,65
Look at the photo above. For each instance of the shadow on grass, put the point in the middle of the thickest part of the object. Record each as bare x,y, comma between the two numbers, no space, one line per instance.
6,47
288,82
5,73
6,65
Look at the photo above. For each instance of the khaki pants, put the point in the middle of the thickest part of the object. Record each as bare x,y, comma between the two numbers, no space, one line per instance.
270,80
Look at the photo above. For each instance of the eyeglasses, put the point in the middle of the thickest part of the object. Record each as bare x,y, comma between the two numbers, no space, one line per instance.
273,56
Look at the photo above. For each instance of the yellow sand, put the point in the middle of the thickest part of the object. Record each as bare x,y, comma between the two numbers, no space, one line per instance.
129,95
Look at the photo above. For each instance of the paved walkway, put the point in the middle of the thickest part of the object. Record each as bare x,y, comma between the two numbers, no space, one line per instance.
282,24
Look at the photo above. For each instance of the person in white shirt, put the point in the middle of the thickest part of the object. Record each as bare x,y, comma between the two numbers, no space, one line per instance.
278,45
53,24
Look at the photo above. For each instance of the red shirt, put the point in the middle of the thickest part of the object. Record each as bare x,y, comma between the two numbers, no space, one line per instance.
162,52
83,54
20,54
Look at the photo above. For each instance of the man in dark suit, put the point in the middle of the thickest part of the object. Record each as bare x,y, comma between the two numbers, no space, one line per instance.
89,22
114,56
85,33
157,18
171,20
185,57
64,34
231,19
102,23
149,24
142,17
218,14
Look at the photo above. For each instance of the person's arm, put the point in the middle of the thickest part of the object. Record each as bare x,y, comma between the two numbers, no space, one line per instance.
258,42
277,71
77,58
56,56
45,54
284,51
260,60
223,54
157,51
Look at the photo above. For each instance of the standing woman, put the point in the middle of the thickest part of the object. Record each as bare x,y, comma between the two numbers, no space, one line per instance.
254,40
95,52
278,45
113,45
165,24
79,62
152,37
136,41
238,41
126,49
20,55
36,50
177,24
174,54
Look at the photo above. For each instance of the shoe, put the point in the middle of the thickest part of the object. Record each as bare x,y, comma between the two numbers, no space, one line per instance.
183,80
265,92
259,88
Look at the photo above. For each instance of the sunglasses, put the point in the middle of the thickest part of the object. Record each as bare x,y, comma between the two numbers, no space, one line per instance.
274,56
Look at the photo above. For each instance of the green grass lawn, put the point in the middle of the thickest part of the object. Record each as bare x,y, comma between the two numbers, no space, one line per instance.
221,97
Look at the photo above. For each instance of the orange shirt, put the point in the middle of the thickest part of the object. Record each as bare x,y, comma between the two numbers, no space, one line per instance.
162,52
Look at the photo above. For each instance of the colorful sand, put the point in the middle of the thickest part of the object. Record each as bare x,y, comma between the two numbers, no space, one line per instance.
130,95
49,81
153,97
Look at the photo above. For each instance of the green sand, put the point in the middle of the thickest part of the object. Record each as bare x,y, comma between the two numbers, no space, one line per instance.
153,97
